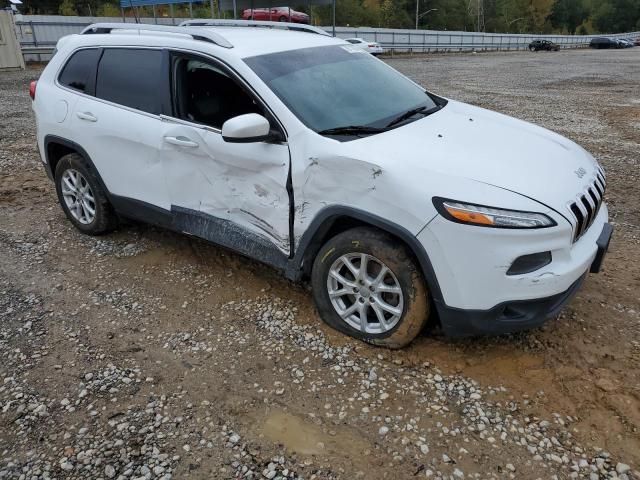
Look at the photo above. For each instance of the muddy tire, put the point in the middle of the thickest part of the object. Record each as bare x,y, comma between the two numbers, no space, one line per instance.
82,197
385,303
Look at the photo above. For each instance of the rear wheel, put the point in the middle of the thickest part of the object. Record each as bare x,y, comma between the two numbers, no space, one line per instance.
81,196
367,285
282,18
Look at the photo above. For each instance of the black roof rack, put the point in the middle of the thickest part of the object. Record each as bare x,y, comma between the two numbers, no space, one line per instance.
296,27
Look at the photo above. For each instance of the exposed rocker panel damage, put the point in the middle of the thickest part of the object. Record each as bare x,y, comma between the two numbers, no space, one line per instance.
227,234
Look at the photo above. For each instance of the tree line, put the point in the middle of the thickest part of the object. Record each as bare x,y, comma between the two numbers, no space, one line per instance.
505,16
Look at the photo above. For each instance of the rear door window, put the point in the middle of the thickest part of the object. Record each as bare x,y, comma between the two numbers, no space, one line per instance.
80,71
134,78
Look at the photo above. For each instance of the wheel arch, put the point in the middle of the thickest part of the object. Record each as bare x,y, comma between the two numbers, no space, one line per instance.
57,147
335,219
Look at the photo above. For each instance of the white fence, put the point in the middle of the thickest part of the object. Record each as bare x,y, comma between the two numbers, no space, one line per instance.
38,35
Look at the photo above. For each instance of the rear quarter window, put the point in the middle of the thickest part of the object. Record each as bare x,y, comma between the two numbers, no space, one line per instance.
132,77
79,73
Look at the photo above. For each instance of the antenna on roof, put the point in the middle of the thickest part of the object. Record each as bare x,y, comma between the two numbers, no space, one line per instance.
135,15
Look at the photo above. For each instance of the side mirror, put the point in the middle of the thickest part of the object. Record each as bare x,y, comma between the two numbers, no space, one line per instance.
247,128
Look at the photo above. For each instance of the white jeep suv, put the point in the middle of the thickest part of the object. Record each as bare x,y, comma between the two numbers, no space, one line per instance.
301,151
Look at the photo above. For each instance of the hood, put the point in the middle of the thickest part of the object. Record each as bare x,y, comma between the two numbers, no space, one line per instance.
465,141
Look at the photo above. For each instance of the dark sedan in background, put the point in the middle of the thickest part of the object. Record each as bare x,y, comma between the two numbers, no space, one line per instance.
604,42
547,45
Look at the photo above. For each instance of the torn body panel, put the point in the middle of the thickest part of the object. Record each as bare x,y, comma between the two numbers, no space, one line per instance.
241,183
332,173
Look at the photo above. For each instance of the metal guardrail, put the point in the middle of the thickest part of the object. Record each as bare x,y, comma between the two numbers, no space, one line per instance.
38,36
408,41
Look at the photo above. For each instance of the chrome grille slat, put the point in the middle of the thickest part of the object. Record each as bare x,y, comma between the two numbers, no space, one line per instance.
585,213
587,204
599,188
589,200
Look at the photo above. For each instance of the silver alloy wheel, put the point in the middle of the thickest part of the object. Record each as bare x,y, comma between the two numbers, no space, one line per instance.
78,196
365,293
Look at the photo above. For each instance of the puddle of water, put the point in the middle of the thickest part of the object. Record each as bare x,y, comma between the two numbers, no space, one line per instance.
294,433
305,438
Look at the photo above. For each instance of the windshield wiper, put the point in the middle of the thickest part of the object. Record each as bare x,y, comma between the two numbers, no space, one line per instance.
410,113
351,130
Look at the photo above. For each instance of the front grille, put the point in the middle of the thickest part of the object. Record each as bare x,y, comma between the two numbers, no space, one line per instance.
585,208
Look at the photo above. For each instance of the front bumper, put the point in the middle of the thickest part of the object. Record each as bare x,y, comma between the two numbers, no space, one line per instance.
513,316
471,263
508,317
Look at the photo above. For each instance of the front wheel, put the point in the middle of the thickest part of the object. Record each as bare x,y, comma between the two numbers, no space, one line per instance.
283,19
367,284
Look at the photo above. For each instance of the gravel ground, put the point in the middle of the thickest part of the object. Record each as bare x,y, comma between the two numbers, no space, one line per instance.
146,354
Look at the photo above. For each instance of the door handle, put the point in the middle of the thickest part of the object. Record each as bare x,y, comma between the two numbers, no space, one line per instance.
88,116
181,142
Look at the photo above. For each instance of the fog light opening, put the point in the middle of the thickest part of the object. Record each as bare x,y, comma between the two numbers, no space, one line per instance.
529,263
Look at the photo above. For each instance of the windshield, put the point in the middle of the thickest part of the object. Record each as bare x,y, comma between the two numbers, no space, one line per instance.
337,86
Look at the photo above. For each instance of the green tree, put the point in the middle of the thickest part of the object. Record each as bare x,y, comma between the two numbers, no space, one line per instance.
616,16
446,15
67,7
108,10
567,15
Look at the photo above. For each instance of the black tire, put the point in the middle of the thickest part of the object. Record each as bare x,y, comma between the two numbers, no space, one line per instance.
282,19
105,219
398,259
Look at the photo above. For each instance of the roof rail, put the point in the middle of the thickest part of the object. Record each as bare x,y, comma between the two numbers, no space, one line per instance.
195,33
296,27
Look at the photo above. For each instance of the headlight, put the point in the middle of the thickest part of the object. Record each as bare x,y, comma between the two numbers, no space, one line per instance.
472,214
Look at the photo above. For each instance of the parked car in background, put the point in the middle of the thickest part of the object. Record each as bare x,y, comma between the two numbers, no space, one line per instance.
547,45
636,42
373,48
604,42
276,14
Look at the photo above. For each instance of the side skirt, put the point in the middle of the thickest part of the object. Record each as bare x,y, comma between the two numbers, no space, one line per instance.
222,232
227,234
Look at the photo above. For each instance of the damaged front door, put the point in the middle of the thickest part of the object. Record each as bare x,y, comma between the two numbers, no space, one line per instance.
234,194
